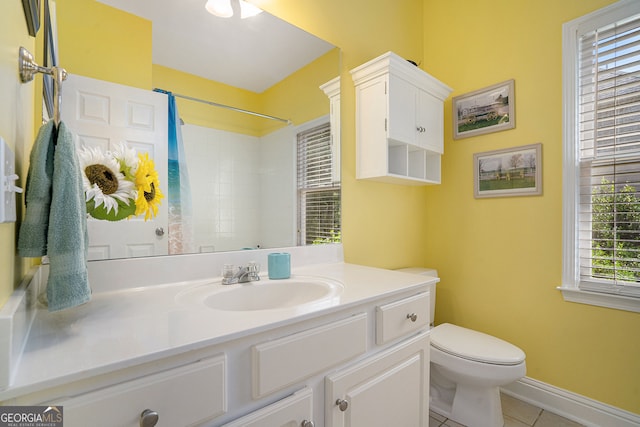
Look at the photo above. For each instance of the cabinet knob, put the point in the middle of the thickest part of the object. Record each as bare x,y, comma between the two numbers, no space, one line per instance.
412,316
159,231
342,404
307,423
421,129
148,418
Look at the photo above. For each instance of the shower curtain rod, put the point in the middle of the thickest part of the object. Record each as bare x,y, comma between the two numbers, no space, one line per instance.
240,110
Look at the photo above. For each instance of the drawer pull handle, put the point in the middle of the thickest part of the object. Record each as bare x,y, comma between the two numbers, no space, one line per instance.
342,404
412,316
148,418
307,423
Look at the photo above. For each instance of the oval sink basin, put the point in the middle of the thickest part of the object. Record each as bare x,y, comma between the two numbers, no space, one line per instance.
264,294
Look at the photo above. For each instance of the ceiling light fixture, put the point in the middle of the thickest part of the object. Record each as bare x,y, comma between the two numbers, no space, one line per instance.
225,8
220,8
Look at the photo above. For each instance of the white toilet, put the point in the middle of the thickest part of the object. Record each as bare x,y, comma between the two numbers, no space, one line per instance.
467,369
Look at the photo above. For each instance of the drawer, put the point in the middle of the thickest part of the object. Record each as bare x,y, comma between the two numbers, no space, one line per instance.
286,361
402,317
290,411
183,396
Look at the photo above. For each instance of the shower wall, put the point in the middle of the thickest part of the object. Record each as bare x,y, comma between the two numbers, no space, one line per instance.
243,188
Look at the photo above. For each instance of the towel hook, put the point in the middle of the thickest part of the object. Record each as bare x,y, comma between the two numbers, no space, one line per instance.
29,68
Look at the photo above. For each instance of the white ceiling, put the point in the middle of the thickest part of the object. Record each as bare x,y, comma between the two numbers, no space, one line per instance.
253,53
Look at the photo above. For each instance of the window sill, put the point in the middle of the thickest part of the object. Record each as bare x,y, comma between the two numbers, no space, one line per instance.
600,299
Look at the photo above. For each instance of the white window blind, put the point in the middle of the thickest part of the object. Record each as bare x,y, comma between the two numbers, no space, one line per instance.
608,131
318,194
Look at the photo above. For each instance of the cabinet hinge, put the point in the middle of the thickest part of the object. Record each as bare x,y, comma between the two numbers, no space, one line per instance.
385,125
385,88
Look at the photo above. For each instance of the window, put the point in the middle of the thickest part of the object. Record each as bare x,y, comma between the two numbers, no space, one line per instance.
318,188
601,165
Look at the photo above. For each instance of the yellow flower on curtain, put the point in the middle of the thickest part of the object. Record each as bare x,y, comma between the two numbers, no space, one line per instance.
148,186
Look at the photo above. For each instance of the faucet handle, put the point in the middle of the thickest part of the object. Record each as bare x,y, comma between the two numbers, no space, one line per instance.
228,270
253,268
228,274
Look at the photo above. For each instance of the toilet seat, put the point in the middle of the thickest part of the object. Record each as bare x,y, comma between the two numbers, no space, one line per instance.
476,346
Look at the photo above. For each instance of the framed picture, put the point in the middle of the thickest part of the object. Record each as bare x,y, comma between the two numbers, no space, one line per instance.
513,171
50,57
491,109
32,15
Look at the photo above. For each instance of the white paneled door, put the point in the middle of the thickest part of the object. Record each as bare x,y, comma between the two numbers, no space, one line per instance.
103,114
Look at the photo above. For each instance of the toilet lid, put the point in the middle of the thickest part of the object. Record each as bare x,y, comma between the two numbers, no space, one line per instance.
474,345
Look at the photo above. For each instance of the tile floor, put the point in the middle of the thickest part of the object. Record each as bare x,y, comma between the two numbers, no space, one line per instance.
516,414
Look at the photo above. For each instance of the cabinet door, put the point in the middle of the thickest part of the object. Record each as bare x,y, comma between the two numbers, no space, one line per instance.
430,122
292,411
371,129
402,112
388,389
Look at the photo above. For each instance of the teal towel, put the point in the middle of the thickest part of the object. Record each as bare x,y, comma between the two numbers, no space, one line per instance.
66,239
32,240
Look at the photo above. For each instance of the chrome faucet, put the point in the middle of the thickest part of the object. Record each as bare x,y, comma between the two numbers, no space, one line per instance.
244,274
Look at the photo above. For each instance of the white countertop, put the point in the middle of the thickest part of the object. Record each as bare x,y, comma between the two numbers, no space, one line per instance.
127,327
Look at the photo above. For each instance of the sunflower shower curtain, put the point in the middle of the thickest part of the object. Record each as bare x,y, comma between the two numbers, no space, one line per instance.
179,198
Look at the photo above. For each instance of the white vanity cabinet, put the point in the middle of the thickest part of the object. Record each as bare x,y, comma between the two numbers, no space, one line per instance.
399,122
364,363
390,387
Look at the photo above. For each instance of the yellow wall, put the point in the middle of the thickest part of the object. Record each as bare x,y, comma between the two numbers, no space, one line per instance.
203,114
16,128
104,43
501,259
308,103
101,42
383,225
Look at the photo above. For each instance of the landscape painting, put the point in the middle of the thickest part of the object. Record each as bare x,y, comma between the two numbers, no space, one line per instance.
486,110
510,172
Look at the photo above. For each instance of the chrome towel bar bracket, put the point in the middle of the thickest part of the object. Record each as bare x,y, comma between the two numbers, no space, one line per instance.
28,68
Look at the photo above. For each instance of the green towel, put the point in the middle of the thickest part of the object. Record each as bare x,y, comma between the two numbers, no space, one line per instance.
32,240
64,222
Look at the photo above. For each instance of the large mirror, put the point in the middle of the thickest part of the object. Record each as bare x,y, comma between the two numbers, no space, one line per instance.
243,169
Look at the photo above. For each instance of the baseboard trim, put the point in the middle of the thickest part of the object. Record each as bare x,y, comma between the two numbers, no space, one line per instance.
575,407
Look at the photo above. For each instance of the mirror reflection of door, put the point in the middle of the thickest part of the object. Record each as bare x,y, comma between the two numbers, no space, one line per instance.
239,202
103,114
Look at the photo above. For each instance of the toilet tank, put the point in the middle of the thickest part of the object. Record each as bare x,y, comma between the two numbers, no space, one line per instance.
432,288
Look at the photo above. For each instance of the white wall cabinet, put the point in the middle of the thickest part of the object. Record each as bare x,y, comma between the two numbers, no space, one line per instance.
399,122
